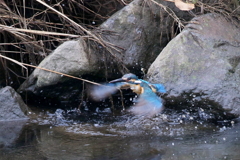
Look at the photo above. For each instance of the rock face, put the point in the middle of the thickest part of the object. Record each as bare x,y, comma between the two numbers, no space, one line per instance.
202,60
142,30
72,57
12,105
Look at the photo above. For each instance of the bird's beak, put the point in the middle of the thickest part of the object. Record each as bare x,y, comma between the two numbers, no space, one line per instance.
118,80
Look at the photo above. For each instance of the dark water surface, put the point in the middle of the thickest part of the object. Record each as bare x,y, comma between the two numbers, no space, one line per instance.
124,137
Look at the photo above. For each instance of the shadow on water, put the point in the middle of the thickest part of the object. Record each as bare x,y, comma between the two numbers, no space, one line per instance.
102,136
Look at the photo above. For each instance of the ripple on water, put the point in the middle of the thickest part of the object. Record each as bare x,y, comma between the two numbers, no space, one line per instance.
139,125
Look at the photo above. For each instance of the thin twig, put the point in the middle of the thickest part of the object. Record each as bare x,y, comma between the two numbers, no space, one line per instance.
13,29
29,65
71,21
82,97
122,99
170,13
10,59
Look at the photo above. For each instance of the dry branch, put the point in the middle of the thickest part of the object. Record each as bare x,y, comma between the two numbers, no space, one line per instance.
74,23
63,74
14,30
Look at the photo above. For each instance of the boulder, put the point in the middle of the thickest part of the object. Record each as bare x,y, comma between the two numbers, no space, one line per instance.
202,64
72,57
47,88
12,105
141,30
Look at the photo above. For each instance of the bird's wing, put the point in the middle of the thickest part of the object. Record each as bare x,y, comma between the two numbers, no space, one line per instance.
159,88
105,90
155,87
148,104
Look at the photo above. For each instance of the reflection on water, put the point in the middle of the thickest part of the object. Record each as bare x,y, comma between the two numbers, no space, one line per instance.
124,137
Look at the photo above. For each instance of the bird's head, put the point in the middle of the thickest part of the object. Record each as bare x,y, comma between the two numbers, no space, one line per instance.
130,81
127,78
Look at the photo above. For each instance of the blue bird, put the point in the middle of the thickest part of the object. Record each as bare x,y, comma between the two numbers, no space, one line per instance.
131,80
147,104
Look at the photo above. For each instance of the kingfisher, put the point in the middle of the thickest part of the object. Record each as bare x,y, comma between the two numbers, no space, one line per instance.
132,82
148,103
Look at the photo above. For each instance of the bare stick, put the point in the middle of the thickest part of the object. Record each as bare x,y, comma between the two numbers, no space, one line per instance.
64,16
8,28
24,64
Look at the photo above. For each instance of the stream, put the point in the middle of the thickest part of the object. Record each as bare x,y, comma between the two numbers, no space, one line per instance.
102,136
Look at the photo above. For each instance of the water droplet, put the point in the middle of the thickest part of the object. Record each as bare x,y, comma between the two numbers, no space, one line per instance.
97,109
96,125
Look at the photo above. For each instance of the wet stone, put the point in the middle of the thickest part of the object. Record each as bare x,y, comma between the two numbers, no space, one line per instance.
12,105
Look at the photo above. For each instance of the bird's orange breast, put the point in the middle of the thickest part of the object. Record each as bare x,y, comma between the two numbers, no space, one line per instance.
136,88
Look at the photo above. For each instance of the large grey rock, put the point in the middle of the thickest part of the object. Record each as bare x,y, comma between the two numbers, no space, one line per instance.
203,60
142,30
72,57
12,105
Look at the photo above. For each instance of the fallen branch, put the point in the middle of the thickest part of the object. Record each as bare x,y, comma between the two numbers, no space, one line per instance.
24,64
74,23
13,29
170,13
